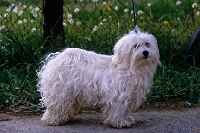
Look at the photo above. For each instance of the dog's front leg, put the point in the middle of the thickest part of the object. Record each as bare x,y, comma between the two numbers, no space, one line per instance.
118,115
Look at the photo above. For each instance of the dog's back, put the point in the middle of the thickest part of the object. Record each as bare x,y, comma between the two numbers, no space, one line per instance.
82,57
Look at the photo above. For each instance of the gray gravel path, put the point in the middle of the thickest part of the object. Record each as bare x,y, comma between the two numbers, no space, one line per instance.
168,121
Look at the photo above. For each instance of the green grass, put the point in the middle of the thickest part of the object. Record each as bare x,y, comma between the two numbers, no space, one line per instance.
22,47
18,86
169,83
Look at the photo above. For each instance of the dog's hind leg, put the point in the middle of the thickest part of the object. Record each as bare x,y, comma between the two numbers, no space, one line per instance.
55,117
60,113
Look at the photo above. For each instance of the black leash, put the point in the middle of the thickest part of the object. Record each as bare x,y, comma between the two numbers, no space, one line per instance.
135,23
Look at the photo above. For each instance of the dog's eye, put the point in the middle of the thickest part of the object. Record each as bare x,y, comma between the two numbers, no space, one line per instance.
147,44
136,46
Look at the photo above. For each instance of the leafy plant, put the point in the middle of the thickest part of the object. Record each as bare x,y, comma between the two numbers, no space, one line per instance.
169,83
18,86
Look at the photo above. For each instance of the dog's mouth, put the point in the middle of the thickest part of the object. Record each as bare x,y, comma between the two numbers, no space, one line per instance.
145,57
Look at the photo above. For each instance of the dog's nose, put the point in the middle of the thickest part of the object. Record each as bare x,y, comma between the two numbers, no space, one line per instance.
145,53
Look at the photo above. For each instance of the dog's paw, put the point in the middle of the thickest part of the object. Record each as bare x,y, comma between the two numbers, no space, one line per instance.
131,119
54,120
117,123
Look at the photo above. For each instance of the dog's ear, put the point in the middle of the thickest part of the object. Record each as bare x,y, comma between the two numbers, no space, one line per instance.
159,63
123,50
155,46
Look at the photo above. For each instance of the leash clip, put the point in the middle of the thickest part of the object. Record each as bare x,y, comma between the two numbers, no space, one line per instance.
134,17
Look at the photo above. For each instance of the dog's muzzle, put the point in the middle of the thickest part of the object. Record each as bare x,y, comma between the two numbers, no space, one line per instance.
145,53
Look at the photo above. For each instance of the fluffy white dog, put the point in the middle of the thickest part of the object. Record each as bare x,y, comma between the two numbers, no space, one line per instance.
120,81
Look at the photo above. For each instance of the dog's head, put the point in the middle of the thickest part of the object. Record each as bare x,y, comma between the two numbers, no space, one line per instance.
136,49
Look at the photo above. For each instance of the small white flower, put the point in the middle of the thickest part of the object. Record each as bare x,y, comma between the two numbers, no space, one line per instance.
125,10
104,20
8,9
78,23
194,5
140,12
88,38
178,2
198,13
149,4
7,101
104,3
37,9
35,15
76,10
2,27
81,0
116,8
15,10
20,22
131,12
95,28
101,23
71,21
69,15
5,15
33,29
32,20
24,6
25,21
12,5
20,12
64,24
95,0
30,7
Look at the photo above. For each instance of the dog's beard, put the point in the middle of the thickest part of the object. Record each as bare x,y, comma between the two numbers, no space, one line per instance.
140,60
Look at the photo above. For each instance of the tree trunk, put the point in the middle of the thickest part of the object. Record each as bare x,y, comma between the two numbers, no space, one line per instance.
53,22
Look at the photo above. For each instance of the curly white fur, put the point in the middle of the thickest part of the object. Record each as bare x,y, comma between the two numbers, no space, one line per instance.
120,81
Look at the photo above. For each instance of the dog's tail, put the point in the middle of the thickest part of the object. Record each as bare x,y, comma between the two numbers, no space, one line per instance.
50,57
47,58
42,65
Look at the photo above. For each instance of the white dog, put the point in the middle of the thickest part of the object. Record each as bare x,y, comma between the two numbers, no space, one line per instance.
120,81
